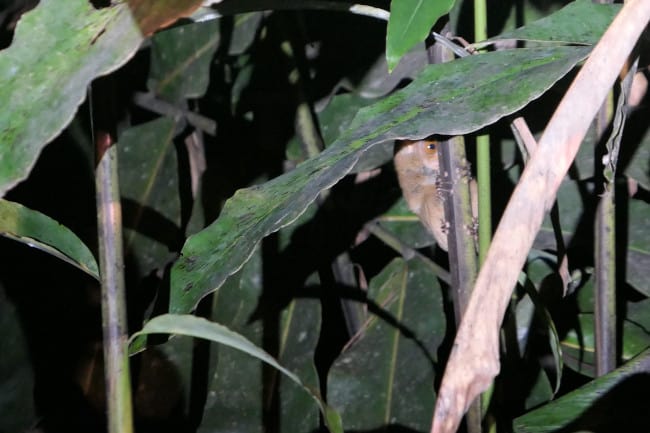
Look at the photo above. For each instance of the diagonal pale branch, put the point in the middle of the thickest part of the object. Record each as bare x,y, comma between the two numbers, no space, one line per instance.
474,360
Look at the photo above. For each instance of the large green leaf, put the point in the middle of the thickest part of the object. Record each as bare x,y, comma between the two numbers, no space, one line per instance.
409,24
42,232
181,58
238,384
148,170
58,49
193,326
573,204
386,375
606,404
451,98
580,22
579,344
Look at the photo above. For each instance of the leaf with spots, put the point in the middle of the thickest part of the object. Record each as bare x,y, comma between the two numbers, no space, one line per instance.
451,98
181,59
58,49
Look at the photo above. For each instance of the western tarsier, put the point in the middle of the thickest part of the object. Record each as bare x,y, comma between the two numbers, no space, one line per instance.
418,171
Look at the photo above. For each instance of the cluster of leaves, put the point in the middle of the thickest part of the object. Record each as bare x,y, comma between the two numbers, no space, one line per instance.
258,193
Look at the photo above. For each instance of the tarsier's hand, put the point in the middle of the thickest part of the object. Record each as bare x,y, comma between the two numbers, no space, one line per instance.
418,171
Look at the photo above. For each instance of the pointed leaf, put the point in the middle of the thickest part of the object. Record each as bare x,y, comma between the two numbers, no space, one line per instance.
409,24
580,22
237,384
148,170
181,59
385,376
193,326
58,49
579,346
42,232
451,98
594,406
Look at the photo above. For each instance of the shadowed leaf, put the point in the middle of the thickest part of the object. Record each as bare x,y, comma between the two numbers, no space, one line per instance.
451,98
42,232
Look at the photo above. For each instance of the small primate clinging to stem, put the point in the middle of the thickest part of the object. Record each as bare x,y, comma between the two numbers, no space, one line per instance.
418,172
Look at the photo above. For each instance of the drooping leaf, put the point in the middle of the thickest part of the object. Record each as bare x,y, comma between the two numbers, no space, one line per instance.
385,376
193,326
568,25
42,232
58,49
451,98
152,15
409,24
609,403
149,187
181,58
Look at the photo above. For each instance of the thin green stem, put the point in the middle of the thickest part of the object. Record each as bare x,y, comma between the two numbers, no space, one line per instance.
483,154
111,262
484,182
456,188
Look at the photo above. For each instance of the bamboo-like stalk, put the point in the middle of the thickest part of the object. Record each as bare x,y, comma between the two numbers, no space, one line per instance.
605,261
111,263
605,298
483,154
455,180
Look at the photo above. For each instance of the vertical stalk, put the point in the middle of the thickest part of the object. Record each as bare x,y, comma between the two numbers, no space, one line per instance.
605,260
455,186
605,264
483,154
484,187
111,262
605,299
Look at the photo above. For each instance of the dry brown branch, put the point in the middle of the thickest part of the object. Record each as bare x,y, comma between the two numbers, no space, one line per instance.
474,360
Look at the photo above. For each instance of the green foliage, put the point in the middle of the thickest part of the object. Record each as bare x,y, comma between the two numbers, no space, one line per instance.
409,24
58,50
318,321
42,232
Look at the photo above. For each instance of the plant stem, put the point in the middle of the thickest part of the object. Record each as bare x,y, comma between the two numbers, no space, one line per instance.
605,259
111,262
483,154
455,185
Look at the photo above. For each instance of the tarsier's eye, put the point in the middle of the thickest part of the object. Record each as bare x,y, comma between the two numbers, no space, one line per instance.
431,147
